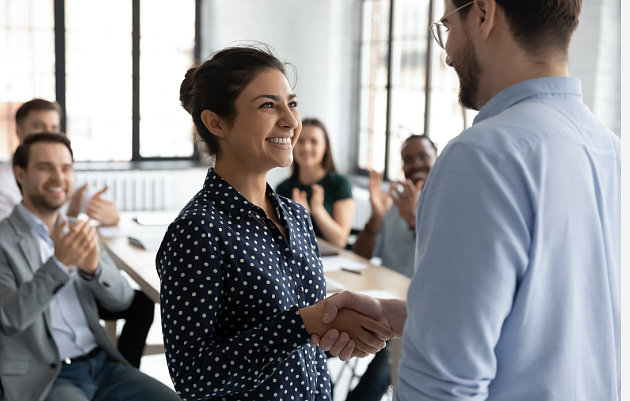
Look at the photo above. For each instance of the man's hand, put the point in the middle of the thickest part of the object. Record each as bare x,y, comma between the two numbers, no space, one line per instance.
90,262
380,201
407,200
389,312
75,246
103,210
368,335
74,208
300,197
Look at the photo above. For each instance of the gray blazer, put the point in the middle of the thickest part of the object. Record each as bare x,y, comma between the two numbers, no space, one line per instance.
29,358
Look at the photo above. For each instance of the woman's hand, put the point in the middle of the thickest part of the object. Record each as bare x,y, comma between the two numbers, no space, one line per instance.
368,335
300,197
317,200
103,210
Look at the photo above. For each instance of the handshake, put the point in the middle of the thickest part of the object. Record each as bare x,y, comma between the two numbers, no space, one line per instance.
349,324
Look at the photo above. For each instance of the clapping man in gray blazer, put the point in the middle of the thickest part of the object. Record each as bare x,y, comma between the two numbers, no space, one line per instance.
52,346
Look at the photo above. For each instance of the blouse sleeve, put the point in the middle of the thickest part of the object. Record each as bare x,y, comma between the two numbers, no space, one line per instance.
201,363
344,188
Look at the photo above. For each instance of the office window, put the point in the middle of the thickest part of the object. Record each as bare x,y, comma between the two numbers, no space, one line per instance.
398,58
166,53
98,79
116,73
27,61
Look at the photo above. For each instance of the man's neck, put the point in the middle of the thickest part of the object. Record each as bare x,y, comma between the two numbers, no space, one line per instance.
47,217
514,68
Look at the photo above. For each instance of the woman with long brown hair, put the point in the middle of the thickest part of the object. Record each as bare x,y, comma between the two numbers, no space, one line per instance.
317,186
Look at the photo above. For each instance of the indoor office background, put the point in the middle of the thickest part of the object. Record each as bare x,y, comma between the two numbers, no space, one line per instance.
368,68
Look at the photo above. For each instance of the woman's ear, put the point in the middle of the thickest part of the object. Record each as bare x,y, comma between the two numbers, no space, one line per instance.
214,123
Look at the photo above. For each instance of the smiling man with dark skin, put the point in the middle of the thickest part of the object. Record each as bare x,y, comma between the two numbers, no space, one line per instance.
515,294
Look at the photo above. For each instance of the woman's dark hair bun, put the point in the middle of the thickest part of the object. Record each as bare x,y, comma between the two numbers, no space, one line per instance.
216,83
185,97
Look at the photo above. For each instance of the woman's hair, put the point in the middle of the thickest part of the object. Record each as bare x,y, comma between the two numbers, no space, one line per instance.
217,82
327,161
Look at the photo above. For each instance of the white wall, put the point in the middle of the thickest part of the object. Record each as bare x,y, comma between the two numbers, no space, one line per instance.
321,38
595,58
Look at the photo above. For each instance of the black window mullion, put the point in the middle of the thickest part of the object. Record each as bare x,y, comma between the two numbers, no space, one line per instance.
429,77
135,50
389,88
60,59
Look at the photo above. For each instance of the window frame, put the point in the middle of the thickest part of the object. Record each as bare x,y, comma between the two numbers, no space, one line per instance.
60,79
428,84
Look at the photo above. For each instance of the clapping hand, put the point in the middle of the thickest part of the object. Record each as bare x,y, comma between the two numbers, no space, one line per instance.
103,210
79,247
406,200
300,197
380,201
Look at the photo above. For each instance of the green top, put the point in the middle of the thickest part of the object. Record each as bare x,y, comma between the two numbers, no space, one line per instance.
336,187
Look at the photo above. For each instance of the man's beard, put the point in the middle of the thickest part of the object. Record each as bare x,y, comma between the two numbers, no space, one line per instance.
42,204
469,71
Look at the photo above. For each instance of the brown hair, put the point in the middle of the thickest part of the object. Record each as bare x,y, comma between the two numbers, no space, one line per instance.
327,161
538,26
423,136
21,156
35,105
217,82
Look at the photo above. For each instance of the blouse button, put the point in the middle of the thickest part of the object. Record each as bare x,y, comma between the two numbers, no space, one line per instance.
300,289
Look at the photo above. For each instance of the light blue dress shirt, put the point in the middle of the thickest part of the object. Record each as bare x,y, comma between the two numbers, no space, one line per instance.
70,328
516,294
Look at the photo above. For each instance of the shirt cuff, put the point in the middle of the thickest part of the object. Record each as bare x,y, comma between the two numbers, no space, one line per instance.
87,276
70,270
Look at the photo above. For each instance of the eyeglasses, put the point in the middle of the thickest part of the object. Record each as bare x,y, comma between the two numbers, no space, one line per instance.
440,31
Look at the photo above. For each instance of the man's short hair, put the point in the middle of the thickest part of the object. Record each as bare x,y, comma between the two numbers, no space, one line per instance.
35,105
21,156
538,26
423,136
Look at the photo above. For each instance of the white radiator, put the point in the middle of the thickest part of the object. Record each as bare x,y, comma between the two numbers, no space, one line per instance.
363,211
138,190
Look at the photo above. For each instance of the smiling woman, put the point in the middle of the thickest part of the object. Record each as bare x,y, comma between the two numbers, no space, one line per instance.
242,284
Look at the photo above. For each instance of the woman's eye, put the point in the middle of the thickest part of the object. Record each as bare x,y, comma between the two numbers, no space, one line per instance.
293,103
267,105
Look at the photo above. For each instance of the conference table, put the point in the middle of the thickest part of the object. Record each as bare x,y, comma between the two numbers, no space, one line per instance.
147,228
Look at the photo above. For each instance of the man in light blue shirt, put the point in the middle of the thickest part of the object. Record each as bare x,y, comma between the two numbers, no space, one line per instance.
516,294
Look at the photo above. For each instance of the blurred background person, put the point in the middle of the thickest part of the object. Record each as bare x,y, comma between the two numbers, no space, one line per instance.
40,116
317,186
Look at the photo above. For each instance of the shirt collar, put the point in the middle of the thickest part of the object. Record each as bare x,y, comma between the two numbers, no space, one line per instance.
34,223
230,200
549,88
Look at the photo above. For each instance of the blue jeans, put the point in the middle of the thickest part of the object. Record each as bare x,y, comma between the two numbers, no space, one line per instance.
99,379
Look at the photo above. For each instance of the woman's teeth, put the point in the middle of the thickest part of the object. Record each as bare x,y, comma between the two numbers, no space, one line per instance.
279,140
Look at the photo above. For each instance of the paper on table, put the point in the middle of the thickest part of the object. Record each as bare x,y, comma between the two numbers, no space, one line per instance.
110,232
333,286
335,263
148,242
379,294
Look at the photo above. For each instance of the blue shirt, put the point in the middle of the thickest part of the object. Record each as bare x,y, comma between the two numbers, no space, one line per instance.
231,287
395,243
70,328
516,294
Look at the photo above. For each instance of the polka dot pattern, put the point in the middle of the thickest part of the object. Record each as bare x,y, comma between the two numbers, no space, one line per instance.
231,287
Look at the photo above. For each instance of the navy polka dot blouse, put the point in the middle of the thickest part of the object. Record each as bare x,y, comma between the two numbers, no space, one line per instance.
231,287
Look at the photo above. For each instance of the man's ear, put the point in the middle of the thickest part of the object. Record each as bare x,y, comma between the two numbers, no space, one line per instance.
485,17
20,175
214,123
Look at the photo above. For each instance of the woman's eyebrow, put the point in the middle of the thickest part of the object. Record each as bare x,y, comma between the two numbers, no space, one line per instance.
274,97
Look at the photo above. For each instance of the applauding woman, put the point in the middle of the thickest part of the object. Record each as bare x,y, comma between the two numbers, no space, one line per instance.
316,185
242,287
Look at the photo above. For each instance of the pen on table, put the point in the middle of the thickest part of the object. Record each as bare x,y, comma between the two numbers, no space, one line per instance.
351,271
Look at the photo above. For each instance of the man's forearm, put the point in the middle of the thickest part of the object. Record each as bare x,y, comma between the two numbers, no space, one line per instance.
364,245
